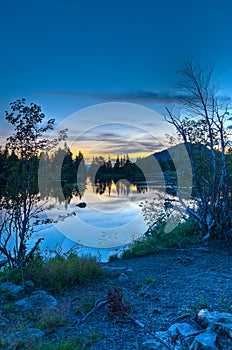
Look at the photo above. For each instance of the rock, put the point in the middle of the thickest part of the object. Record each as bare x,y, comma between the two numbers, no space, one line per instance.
81,205
185,330
39,299
129,270
205,341
223,329
11,290
220,322
29,284
123,278
215,334
183,333
157,311
21,339
114,271
153,345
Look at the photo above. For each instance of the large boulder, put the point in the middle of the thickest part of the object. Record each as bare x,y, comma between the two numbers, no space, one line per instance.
184,330
11,290
219,322
211,331
205,341
23,339
38,300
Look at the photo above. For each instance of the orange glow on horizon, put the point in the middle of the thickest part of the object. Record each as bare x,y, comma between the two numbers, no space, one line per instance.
88,156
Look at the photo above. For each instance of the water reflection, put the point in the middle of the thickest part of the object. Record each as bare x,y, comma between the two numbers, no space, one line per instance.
122,187
122,178
112,216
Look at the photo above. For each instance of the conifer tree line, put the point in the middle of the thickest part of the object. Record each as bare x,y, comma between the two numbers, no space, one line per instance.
12,171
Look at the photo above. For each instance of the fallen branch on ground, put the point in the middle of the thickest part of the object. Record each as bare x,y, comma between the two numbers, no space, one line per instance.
97,305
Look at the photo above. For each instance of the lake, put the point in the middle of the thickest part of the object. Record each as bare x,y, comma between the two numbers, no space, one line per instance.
111,220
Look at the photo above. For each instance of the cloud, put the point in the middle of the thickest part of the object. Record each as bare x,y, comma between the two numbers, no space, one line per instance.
140,96
133,96
110,143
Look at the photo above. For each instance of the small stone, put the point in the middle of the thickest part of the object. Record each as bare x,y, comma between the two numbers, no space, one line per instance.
157,311
113,271
163,336
129,270
123,278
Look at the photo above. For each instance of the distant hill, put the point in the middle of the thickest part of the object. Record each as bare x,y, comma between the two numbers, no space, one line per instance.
165,157
174,159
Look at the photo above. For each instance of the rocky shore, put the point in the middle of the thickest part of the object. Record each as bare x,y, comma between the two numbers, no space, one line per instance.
175,299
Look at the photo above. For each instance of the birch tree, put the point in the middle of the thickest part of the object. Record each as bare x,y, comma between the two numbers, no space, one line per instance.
201,124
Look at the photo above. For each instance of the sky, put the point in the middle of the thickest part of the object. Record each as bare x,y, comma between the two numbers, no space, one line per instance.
66,55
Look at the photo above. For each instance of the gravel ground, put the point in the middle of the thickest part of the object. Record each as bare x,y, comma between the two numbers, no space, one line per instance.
161,288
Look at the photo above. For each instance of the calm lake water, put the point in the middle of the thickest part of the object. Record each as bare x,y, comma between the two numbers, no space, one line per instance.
111,219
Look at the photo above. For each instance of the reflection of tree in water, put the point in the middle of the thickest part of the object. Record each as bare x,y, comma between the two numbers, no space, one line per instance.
123,174
101,185
68,178
123,187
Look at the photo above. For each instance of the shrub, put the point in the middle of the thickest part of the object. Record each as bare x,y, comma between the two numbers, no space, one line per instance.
183,235
117,306
59,273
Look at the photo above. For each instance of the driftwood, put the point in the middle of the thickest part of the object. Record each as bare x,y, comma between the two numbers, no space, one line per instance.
100,303
97,305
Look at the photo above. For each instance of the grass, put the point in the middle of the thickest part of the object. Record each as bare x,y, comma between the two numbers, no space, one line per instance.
9,308
51,321
59,273
70,344
184,235
141,248
87,303
149,280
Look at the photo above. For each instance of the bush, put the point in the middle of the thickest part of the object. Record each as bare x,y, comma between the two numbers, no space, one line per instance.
183,235
59,273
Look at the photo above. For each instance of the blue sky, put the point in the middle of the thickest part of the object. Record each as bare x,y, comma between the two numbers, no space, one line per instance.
69,54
